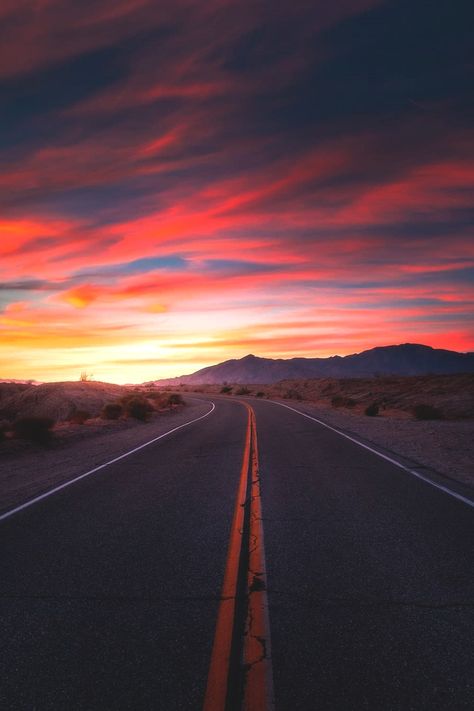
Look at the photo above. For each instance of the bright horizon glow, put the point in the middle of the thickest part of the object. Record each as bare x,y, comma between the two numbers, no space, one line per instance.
184,183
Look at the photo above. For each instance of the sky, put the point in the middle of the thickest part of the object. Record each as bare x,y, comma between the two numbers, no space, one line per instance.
186,182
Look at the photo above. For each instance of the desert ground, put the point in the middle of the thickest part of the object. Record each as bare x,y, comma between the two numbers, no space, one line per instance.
82,436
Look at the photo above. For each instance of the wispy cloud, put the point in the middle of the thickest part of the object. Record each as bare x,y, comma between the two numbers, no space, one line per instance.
195,180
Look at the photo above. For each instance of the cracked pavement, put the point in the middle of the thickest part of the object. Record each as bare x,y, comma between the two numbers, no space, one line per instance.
370,577
110,589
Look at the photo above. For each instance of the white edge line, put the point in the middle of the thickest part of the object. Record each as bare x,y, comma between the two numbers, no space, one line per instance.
460,497
7,514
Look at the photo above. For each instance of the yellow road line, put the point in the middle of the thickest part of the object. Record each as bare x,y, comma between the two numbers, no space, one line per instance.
245,646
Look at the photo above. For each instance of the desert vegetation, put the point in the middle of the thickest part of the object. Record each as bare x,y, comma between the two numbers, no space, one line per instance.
292,394
372,410
80,417
112,411
136,406
427,397
175,399
35,412
243,390
34,429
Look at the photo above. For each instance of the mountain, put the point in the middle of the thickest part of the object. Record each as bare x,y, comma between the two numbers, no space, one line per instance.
404,359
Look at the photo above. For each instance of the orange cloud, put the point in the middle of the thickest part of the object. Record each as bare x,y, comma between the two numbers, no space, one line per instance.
81,296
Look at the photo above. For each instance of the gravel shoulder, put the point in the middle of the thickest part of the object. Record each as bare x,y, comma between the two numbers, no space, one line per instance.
443,446
27,470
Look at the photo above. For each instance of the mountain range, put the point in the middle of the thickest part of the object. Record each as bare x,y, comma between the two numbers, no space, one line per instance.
404,359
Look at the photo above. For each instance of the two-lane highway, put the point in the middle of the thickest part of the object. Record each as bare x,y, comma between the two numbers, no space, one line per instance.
112,588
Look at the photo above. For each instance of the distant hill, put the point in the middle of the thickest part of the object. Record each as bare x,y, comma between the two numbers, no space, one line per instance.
56,400
13,381
404,359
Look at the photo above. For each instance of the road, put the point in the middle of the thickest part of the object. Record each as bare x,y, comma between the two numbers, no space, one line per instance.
112,587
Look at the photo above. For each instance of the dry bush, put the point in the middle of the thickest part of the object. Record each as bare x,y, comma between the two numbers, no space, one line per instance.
112,411
175,399
292,394
34,429
155,395
260,394
137,407
372,410
243,391
226,389
157,400
79,417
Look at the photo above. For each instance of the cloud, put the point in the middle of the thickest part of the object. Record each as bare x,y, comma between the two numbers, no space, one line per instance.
214,175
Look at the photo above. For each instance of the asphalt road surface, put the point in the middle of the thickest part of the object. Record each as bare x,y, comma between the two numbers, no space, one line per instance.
110,589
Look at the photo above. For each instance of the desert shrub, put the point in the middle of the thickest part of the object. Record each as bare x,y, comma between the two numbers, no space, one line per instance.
427,412
292,394
243,391
155,395
138,407
226,389
112,411
34,429
131,395
175,399
79,417
372,410
260,394
157,400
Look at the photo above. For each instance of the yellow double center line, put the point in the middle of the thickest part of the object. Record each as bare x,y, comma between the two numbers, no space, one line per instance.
240,672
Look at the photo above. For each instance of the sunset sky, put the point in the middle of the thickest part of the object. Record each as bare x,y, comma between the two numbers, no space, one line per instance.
187,181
